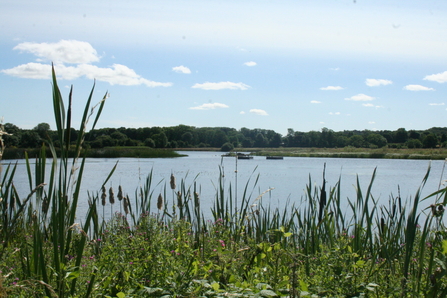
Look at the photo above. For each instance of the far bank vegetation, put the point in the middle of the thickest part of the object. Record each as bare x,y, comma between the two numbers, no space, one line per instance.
125,141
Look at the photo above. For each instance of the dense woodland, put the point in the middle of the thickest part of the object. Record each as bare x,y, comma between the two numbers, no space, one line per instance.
183,136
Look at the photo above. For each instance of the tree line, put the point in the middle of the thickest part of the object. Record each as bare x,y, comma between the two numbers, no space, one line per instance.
183,136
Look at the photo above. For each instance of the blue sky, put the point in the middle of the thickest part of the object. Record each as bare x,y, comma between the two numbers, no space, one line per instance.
305,65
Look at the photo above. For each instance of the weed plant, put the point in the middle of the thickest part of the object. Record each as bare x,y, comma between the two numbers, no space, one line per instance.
247,248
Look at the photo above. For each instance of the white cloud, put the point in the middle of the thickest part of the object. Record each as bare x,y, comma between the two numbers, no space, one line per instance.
64,51
332,113
315,101
418,88
439,77
370,105
360,97
259,112
335,69
377,82
210,106
30,71
181,69
250,63
74,52
242,112
334,88
436,104
371,122
116,75
221,85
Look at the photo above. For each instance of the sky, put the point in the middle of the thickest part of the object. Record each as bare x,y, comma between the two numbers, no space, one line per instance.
304,65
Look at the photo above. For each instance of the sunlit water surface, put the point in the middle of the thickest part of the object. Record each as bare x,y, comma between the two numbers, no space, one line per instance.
287,177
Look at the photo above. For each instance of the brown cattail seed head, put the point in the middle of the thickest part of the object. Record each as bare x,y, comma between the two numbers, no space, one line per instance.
160,202
45,205
126,205
179,200
172,182
120,193
103,199
196,199
111,196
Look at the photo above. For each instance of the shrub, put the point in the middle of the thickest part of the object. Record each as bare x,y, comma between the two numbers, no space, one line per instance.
227,147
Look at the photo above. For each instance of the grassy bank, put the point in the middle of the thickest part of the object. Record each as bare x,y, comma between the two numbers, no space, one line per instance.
107,152
161,245
350,152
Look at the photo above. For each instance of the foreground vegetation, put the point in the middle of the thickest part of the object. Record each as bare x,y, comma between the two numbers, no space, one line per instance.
161,245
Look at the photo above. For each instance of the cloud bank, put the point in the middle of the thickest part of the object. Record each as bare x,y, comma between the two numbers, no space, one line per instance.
74,52
64,51
221,85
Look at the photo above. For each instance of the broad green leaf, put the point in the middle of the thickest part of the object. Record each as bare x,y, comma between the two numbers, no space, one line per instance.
303,286
444,247
215,286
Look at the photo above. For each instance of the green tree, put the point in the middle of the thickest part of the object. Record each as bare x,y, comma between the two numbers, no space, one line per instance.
400,136
42,130
119,137
227,147
160,139
414,143
149,143
30,139
260,141
219,138
430,141
356,141
376,140
187,137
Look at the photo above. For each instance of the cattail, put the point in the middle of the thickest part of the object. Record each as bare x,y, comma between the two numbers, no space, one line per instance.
103,196
45,205
160,202
126,205
120,193
179,200
111,196
196,199
172,181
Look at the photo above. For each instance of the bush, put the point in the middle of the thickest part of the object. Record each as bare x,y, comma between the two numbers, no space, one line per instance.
227,147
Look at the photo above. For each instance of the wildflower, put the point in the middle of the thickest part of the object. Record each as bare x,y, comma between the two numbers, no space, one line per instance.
222,243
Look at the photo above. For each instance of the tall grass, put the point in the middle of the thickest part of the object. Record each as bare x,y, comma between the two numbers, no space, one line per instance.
322,244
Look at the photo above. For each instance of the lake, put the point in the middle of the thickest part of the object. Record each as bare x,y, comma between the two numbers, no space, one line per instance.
288,177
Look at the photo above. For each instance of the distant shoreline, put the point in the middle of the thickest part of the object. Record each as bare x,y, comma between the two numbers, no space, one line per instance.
346,152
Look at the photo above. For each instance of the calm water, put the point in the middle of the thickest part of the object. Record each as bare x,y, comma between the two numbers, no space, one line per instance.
288,177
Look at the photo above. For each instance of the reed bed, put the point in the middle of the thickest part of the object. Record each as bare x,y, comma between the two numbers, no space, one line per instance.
323,245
